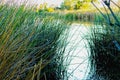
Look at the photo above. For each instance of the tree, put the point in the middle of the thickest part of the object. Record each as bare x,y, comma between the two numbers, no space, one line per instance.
42,7
78,5
75,4
68,4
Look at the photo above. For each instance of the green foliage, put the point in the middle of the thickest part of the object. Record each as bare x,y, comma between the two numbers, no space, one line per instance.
104,44
74,4
44,8
103,52
78,5
28,45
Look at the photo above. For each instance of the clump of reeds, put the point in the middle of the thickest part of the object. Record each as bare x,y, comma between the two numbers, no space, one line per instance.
29,44
104,46
104,54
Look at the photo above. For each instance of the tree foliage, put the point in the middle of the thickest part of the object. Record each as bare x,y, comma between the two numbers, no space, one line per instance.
67,4
75,4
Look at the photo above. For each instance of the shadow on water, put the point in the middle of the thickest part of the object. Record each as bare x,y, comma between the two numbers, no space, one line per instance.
105,57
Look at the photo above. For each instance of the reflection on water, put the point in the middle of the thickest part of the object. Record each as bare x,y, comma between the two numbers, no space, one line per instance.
78,52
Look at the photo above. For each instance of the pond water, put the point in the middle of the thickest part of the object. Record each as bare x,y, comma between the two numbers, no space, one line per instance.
78,51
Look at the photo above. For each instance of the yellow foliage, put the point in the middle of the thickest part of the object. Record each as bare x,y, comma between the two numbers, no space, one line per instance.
86,6
37,10
50,9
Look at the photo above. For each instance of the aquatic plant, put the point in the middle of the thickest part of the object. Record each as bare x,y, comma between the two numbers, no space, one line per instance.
104,47
30,45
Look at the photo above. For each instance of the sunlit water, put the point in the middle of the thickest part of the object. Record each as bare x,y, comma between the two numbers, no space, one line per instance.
78,51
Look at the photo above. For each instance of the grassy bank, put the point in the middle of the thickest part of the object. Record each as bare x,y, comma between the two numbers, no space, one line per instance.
84,15
71,17
30,45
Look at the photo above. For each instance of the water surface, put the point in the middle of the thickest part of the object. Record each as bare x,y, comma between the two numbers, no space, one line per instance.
78,51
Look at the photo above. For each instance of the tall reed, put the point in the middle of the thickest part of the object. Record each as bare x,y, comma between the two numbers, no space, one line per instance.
104,48
29,45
